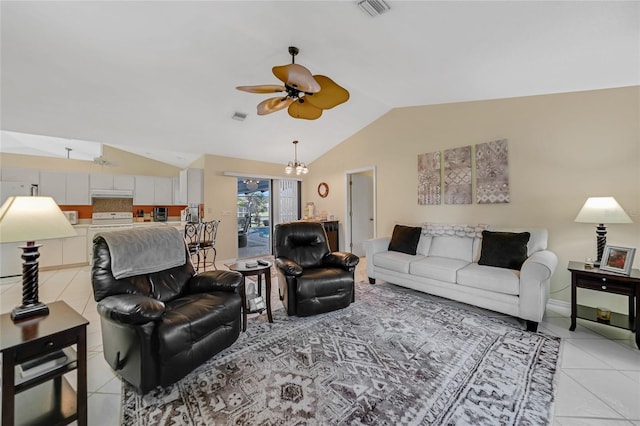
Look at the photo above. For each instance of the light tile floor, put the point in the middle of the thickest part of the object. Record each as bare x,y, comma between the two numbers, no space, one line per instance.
598,384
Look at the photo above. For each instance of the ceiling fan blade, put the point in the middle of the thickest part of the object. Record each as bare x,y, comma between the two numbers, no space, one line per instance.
330,95
302,109
263,88
298,77
273,104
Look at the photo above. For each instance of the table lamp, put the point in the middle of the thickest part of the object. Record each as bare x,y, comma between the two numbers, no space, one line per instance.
30,219
601,210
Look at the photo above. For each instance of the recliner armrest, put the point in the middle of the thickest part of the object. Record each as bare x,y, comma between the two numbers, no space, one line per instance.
215,281
288,267
340,259
131,308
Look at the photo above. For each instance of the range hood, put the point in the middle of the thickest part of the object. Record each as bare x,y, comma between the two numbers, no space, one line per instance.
111,193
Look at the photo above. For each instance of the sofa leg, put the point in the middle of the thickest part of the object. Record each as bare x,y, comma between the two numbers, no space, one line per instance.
532,326
372,280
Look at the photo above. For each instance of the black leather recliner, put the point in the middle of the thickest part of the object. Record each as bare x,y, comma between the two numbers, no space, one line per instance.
311,279
157,327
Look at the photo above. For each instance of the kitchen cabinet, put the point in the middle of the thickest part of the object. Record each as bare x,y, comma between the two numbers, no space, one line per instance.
110,181
144,193
50,253
191,187
10,260
74,249
54,184
65,188
162,191
16,174
77,187
64,251
153,190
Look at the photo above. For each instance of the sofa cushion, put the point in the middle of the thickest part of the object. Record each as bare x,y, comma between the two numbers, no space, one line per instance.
437,268
504,249
424,244
405,239
394,260
490,278
460,248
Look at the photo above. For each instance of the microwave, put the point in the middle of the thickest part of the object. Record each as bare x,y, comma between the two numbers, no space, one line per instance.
160,214
72,217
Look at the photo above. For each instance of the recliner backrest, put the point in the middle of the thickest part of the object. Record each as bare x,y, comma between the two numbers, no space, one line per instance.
163,285
303,242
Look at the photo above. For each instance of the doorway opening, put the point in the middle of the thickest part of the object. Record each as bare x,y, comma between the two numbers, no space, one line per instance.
361,208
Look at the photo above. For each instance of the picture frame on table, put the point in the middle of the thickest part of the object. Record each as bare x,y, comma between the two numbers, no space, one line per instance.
617,259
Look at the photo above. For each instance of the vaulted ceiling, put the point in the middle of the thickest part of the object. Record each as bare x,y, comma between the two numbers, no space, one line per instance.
161,76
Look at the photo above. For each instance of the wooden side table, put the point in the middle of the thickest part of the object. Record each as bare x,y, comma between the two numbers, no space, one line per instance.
258,271
23,398
608,282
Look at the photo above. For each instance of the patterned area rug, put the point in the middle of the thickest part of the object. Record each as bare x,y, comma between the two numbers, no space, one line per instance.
395,356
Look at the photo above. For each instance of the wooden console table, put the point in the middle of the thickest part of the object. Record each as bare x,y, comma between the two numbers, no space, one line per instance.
24,398
608,282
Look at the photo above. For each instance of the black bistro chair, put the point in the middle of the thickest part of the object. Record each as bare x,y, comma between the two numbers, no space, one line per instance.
209,230
192,238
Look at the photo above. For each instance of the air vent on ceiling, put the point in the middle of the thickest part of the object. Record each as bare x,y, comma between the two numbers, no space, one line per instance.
240,116
374,7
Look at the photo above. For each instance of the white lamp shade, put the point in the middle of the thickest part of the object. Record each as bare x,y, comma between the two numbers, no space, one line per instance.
602,210
25,219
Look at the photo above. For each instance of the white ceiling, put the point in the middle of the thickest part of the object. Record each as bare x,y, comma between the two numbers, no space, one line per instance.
158,78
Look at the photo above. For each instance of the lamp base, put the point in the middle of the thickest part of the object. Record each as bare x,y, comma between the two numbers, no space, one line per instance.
28,311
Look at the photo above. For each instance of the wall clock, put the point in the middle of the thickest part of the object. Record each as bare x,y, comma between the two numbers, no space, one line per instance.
323,189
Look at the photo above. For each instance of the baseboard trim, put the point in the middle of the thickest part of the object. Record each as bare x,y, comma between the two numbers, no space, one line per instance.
559,303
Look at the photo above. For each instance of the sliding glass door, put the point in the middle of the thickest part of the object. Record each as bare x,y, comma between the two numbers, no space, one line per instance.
262,203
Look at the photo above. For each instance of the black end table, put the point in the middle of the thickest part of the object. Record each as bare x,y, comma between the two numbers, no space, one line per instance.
258,271
608,282
47,391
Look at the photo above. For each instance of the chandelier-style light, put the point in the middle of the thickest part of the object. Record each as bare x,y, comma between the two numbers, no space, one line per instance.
252,184
299,167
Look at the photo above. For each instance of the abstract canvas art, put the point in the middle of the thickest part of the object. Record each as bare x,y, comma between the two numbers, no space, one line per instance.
457,175
429,181
492,172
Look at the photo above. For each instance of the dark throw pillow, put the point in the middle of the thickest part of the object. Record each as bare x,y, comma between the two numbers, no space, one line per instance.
504,249
405,239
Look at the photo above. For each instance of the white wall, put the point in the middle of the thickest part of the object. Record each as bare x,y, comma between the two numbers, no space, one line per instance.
563,148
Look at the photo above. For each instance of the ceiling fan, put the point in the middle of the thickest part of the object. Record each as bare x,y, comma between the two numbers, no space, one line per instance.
306,95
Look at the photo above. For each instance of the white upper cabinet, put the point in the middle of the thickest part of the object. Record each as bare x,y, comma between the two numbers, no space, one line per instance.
65,188
144,193
191,187
54,184
163,191
78,189
109,181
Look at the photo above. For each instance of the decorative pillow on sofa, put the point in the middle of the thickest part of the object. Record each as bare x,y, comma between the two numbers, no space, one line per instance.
405,239
504,249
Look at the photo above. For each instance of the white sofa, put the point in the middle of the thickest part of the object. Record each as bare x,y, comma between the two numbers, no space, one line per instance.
446,265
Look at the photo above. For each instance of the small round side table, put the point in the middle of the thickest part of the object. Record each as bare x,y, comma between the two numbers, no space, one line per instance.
258,271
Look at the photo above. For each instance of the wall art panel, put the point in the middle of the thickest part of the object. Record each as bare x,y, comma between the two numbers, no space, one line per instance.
429,181
492,172
457,175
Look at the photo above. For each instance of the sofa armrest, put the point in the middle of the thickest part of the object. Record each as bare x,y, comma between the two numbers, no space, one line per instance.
376,245
209,281
288,267
371,247
131,308
535,275
347,261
